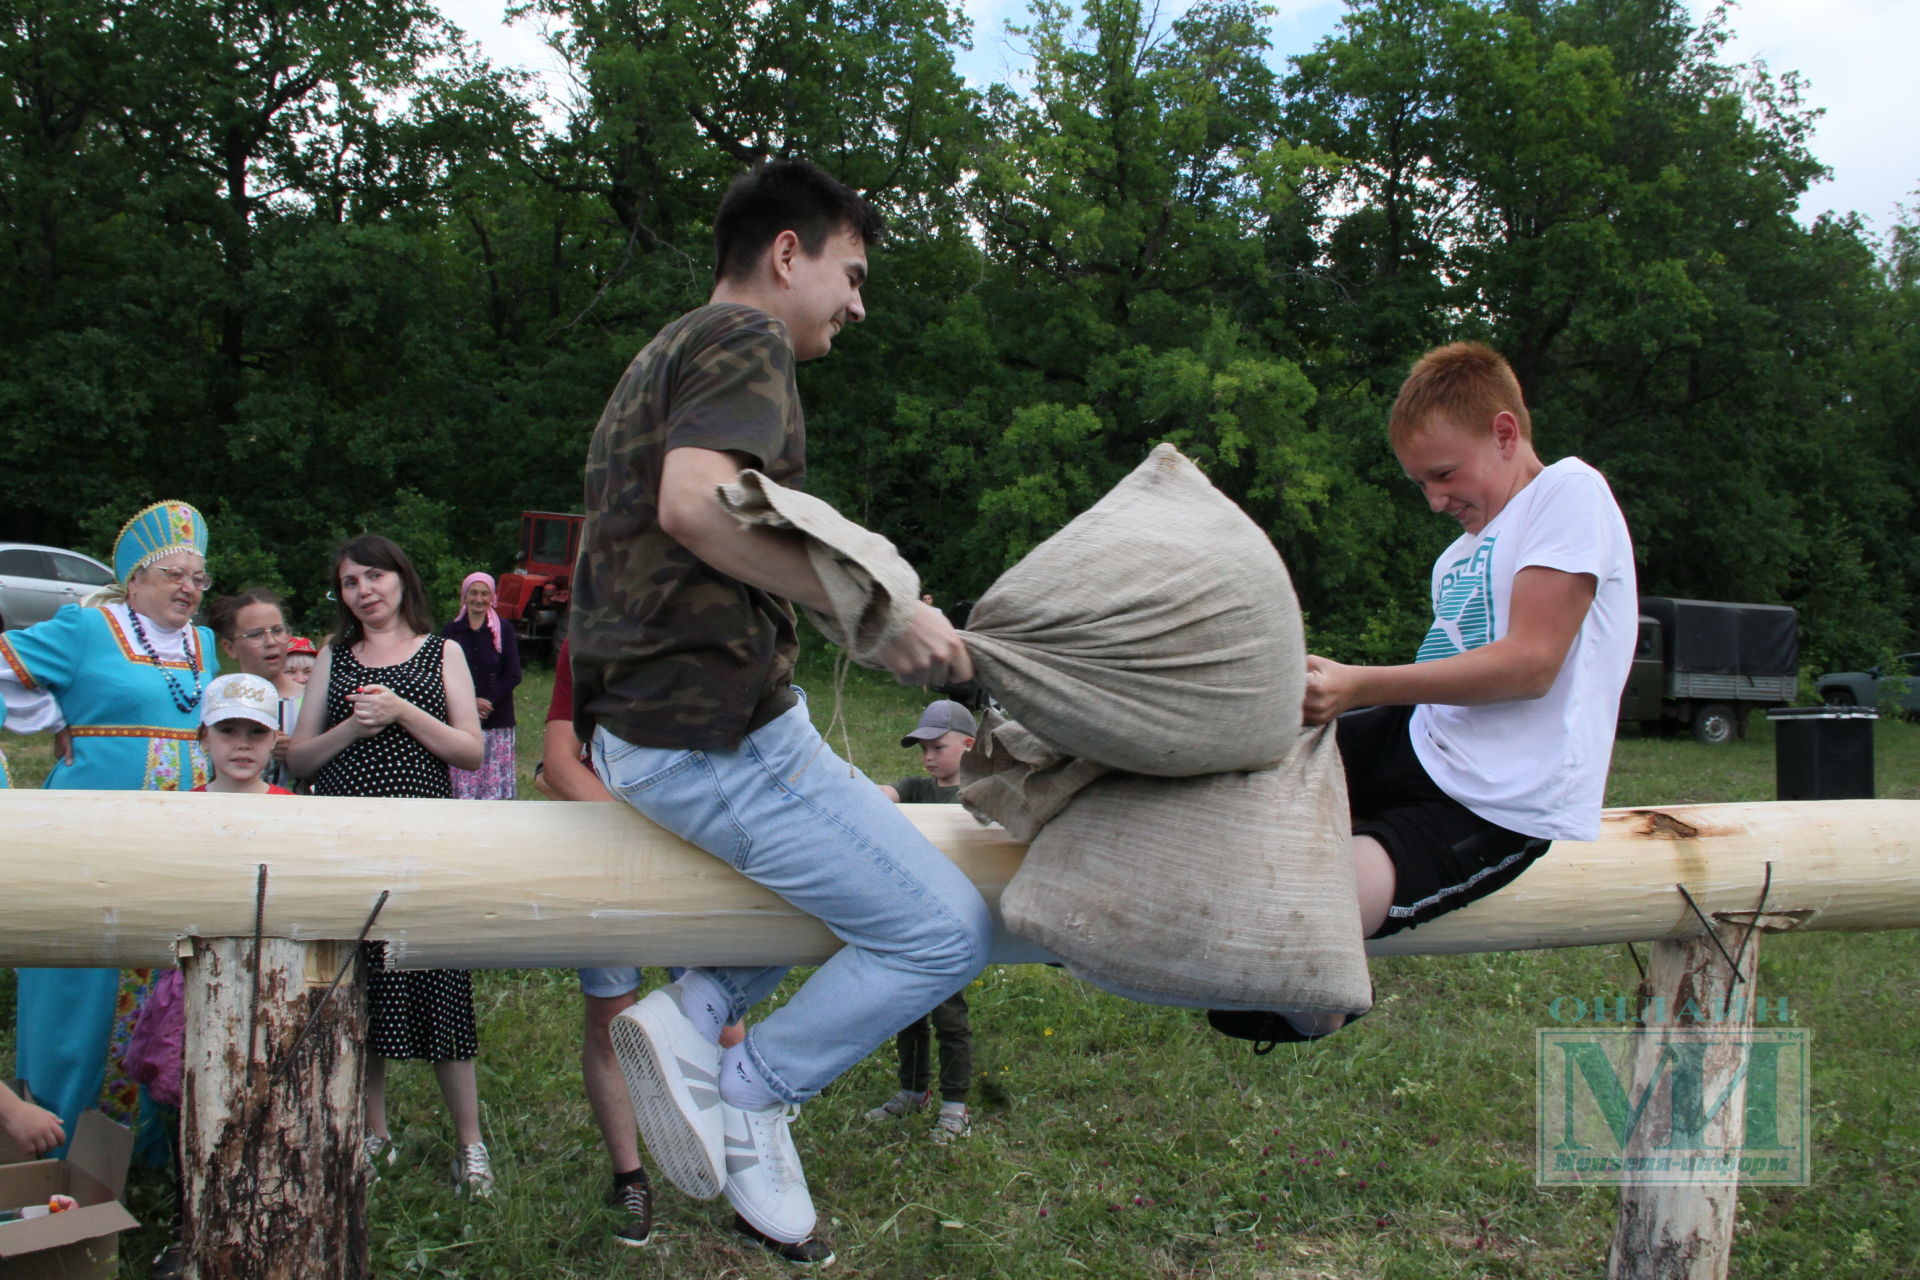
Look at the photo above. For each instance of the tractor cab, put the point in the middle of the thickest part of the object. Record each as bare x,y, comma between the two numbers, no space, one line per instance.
535,595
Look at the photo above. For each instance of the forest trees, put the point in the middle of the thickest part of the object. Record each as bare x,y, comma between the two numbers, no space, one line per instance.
318,268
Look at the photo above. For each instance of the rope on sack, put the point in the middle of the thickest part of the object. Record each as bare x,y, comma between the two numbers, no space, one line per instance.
842,662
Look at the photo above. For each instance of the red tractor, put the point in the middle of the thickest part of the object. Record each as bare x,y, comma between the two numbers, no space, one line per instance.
534,596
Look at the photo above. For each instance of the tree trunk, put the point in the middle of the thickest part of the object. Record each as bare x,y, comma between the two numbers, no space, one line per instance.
1684,1231
274,1185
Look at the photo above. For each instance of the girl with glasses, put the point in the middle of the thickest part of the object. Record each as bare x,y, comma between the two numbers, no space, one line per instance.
253,633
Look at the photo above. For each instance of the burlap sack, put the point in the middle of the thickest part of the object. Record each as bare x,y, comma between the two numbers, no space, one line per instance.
874,591
1232,891
1011,777
1157,632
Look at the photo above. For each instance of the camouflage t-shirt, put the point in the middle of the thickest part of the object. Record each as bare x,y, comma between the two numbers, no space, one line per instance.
668,652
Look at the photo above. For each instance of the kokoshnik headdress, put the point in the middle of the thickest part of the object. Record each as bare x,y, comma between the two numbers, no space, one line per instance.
160,530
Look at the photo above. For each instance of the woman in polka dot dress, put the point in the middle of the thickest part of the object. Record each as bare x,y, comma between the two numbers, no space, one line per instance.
399,708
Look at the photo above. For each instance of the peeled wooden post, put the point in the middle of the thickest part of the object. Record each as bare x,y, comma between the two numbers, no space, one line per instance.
1684,1230
271,1116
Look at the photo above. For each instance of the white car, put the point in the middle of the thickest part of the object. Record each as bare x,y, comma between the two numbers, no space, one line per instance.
36,581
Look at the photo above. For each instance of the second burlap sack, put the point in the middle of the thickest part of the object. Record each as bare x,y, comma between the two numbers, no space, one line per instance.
1157,632
1231,891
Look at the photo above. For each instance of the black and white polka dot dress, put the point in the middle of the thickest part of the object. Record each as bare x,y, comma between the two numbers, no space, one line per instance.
421,1013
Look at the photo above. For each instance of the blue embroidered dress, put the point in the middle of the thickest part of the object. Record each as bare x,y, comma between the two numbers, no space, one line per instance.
129,734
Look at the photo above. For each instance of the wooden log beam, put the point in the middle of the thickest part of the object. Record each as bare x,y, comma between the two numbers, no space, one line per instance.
119,878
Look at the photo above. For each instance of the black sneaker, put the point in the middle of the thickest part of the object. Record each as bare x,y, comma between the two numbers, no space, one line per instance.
635,1202
811,1252
1265,1029
170,1263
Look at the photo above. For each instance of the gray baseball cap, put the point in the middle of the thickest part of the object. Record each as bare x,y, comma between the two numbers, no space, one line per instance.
942,717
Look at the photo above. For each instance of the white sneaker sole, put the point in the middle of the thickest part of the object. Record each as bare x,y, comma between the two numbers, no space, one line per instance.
682,1131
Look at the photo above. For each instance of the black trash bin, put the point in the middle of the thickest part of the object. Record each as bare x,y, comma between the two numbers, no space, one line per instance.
1822,753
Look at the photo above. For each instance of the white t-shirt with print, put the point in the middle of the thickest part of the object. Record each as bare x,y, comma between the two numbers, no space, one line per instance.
1537,766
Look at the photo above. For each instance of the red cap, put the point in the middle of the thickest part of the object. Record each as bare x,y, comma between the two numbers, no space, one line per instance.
300,644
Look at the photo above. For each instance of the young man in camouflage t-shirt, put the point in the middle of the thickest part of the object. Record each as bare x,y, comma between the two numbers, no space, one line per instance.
683,648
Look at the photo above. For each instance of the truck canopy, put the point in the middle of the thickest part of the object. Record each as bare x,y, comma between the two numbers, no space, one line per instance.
1714,638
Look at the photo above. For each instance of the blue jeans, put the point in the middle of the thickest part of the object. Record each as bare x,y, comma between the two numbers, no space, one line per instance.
786,812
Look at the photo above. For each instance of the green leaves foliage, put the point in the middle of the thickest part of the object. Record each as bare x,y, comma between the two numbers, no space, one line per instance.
320,268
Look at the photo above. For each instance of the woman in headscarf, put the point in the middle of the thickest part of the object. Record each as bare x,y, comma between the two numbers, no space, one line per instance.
493,655
124,674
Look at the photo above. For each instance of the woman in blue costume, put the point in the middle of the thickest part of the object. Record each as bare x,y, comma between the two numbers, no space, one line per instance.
124,672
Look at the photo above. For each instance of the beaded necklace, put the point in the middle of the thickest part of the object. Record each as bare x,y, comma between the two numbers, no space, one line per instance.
181,699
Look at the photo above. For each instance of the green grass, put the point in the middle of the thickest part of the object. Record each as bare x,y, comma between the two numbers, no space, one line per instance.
1116,1139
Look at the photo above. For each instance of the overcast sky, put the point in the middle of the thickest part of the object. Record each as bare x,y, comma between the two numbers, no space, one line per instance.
1856,55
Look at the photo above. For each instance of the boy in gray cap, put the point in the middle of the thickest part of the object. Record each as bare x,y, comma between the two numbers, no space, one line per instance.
943,735
945,731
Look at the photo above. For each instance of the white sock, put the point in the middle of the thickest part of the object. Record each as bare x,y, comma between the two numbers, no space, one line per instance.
704,1002
953,1108
740,1082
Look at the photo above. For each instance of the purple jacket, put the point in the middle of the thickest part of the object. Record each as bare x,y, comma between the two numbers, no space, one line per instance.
494,674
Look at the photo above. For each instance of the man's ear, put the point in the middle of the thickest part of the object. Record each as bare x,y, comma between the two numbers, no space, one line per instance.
782,254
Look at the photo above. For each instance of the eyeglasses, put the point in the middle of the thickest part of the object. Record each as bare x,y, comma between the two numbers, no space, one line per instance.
175,576
258,634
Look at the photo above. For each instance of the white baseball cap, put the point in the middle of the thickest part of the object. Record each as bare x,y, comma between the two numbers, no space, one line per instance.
241,697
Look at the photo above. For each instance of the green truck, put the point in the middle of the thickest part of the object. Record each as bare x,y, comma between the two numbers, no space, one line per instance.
1703,665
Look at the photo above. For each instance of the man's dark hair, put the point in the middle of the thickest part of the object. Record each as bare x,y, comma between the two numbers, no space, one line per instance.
786,195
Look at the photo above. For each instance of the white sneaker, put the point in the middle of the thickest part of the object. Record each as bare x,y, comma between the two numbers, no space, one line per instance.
903,1103
954,1121
473,1170
764,1180
379,1151
673,1075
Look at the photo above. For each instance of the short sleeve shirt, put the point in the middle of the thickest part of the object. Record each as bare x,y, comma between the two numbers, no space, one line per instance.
1537,766
668,652
560,707
924,790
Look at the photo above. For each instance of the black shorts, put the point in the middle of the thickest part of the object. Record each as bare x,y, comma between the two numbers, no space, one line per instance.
1444,855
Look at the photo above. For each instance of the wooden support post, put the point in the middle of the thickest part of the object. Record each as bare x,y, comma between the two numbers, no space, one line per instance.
1684,1231
271,1121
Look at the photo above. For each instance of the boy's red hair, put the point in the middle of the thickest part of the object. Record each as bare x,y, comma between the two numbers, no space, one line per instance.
1467,383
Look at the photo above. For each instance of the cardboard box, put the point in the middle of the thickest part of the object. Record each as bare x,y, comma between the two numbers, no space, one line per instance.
83,1243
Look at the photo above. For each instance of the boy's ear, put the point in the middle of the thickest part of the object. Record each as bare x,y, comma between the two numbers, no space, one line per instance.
1506,431
966,743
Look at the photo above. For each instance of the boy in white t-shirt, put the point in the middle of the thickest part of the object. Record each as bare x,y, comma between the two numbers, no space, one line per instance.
1495,740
